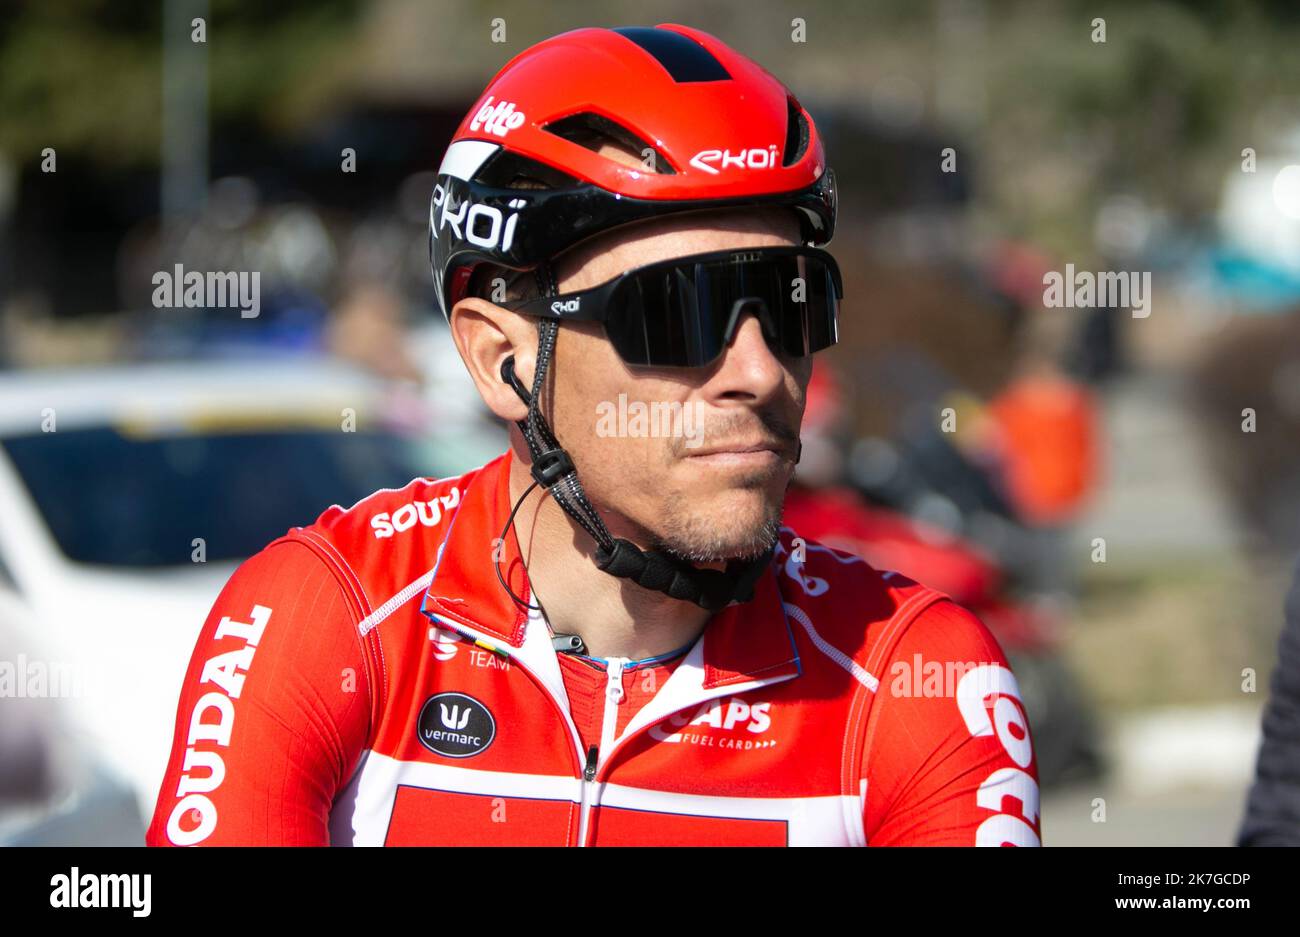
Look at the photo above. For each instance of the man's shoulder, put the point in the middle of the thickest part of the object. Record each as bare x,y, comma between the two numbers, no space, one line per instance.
389,537
423,503
861,611
840,579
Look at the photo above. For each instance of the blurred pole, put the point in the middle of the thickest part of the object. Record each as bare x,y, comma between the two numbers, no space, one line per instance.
184,118
961,95
8,243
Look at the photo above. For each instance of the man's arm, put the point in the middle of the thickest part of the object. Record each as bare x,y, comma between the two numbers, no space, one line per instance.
274,711
1273,808
948,757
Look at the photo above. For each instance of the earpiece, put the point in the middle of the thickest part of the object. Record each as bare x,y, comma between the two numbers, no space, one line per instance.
508,376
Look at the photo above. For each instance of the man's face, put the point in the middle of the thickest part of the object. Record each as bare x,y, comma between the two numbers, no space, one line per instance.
711,485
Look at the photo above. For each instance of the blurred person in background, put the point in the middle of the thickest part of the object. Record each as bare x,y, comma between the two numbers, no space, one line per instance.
367,328
1273,807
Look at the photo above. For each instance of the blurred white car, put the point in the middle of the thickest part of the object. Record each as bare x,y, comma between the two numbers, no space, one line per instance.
55,790
129,494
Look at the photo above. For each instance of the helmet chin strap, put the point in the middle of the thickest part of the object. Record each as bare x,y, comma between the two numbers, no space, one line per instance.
710,589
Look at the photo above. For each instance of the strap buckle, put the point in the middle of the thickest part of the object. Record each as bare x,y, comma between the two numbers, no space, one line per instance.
550,466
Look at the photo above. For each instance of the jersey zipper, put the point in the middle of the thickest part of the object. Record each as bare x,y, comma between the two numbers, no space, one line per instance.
608,724
586,769
588,774
613,699
590,764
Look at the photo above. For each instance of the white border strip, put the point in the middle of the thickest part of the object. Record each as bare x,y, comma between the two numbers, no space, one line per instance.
464,157
860,673
396,602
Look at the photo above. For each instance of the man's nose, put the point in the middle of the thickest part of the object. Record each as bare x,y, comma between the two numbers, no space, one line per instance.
748,358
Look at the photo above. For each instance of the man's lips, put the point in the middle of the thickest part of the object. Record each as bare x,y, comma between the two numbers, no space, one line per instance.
742,450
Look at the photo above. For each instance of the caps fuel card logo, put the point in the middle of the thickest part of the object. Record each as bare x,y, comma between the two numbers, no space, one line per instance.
731,715
455,725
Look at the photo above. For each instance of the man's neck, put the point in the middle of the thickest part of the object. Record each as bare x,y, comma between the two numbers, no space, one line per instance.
614,617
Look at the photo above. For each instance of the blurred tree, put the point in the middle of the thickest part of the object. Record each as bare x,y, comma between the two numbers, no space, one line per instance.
84,76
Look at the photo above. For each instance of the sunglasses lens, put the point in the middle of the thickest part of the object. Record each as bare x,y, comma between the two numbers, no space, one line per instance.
657,319
677,314
810,312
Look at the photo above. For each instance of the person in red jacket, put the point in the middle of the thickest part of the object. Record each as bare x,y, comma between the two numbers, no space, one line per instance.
626,239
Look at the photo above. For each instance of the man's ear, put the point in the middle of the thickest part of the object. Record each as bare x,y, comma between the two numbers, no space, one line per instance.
486,335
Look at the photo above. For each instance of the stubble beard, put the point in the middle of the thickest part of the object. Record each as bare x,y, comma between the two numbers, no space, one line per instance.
690,535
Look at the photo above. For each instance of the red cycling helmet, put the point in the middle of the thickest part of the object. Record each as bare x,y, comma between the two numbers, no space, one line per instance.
715,130
520,183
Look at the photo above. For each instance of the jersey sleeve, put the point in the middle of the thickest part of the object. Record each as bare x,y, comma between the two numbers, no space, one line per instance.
274,712
948,754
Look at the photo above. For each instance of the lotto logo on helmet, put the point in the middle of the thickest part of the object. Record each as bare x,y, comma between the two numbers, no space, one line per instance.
715,161
497,119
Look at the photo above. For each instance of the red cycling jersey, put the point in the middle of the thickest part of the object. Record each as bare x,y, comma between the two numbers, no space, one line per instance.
366,680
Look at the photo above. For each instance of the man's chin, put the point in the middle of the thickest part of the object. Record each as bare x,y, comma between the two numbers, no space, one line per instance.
719,555
709,540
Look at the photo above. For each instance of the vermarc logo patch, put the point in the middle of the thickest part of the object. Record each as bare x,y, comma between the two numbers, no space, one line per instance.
455,725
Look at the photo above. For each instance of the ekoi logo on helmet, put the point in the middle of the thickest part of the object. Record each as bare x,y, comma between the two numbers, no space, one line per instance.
484,226
714,161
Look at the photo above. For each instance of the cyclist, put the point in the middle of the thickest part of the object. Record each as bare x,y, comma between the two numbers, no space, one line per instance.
605,635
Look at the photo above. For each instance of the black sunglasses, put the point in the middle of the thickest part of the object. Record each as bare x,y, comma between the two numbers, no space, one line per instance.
683,312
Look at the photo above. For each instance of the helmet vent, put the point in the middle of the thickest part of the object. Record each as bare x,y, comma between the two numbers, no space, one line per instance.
507,170
796,132
591,131
682,57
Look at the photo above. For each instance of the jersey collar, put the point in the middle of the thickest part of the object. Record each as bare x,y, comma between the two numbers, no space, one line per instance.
741,643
